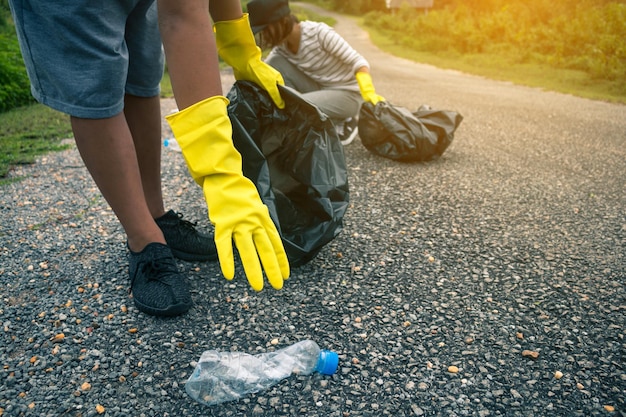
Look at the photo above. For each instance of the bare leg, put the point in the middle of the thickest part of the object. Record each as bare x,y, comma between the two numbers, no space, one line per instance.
143,116
189,44
107,148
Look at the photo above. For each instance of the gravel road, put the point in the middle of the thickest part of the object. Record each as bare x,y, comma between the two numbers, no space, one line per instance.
490,282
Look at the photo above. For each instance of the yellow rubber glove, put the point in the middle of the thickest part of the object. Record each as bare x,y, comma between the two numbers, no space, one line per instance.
204,133
236,46
367,88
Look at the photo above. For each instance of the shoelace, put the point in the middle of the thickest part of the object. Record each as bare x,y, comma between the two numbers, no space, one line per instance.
157,264
186,224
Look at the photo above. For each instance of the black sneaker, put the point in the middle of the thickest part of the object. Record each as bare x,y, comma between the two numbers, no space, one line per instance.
348,130
158,286
184,240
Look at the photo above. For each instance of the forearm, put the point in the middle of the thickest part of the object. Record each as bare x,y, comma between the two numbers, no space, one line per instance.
225,10
190,50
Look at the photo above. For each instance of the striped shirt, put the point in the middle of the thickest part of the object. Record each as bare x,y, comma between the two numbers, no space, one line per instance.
324,56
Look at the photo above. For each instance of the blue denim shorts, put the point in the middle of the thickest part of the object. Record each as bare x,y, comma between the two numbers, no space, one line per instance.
83,56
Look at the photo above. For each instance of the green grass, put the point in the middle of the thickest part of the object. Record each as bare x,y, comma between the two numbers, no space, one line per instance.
506,68
166,86
306,14
30,131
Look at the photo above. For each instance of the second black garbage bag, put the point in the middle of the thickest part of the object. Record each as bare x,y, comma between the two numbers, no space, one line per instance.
296,161
397,133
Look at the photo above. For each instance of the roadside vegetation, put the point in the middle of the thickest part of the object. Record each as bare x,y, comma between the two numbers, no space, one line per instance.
572,46
27,129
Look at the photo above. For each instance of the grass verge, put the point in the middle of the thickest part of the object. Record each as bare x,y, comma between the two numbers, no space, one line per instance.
508,68
27,132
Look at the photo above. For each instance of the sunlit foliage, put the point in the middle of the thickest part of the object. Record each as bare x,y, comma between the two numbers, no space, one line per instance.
587,35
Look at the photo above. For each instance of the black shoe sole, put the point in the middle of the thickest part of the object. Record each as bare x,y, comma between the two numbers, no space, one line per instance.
174,310
191,257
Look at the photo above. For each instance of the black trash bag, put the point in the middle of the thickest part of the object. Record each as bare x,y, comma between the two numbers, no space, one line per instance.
396,133
295,159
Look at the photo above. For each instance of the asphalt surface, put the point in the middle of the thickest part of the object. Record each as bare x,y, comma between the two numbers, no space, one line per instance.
490,282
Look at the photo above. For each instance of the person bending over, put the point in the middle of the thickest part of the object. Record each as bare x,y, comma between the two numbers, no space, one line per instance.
102,63
315,61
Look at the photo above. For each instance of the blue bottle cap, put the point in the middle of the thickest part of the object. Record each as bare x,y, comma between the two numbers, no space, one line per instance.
328,362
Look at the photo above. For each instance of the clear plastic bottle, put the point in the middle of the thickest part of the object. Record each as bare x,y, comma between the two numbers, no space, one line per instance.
171,144
228,376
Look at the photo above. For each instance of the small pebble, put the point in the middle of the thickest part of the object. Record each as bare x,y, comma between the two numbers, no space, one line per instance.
530,354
